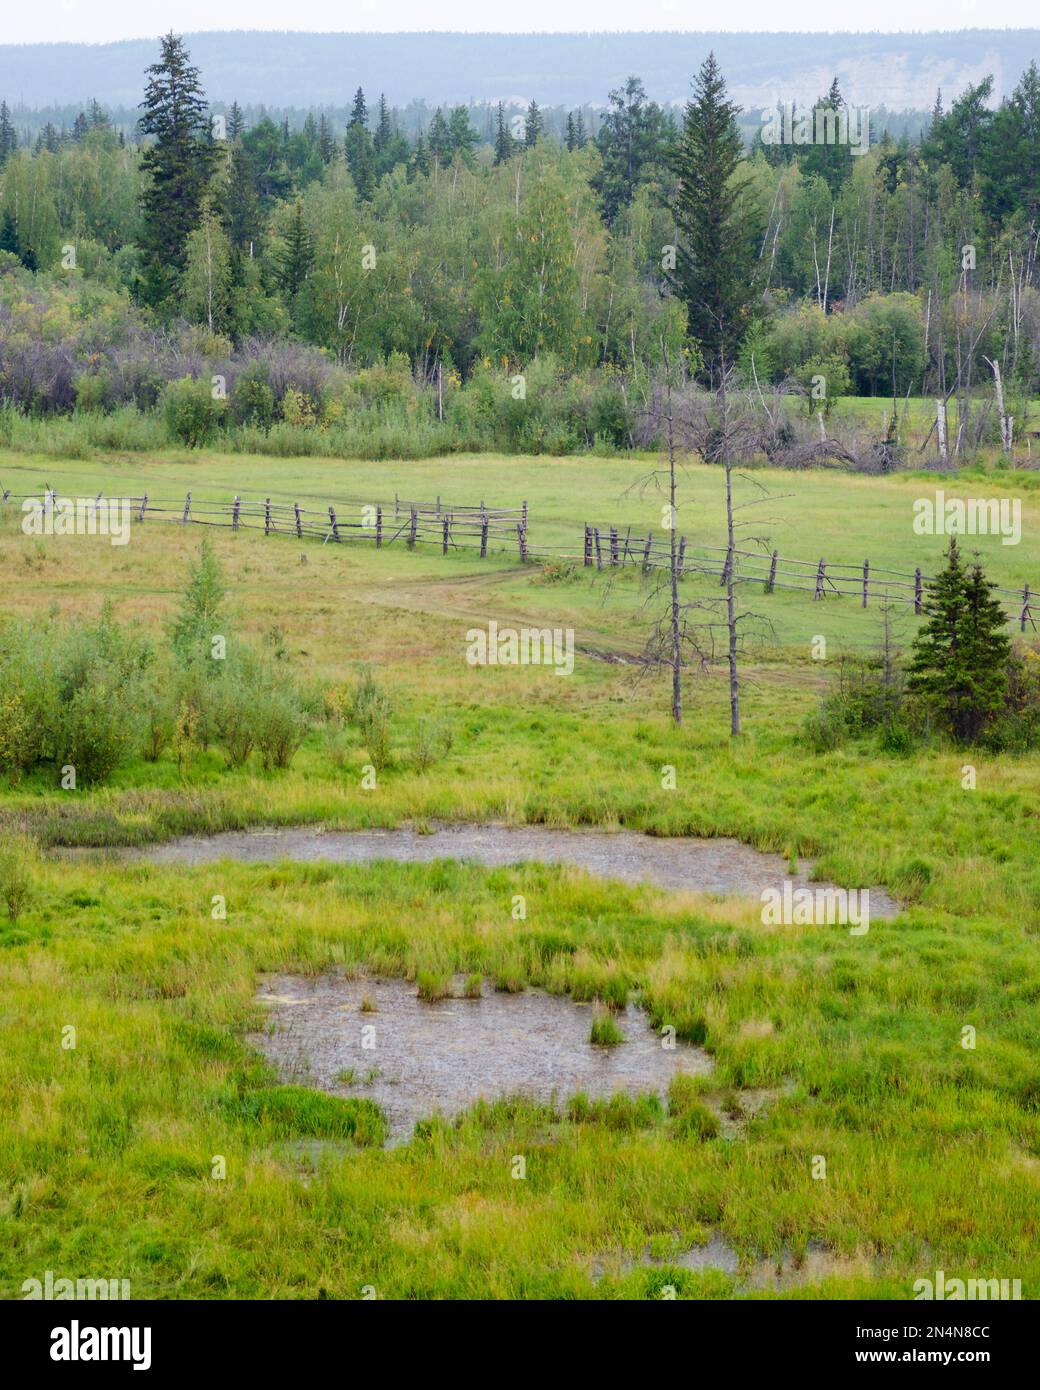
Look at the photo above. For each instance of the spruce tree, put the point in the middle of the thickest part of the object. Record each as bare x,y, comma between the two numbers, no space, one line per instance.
420,163
9,234
716,251
959,663
177,165
236,122
8,138
534,126
326,142
439,140
296,256
359,150
503,139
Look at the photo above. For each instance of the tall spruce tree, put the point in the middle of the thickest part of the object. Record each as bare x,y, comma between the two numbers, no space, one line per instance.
534,126
504,143
359,150
177,166
8,138
959,663
716,249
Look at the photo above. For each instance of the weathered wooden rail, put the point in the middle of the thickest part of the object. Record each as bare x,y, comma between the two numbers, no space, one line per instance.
482,529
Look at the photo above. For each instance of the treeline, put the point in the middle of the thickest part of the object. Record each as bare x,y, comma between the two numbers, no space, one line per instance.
896,270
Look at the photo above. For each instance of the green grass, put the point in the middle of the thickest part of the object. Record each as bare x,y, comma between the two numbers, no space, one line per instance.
107,1149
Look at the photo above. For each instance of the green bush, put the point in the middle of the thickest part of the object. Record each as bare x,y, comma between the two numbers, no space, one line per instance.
252,400
18,855
192,415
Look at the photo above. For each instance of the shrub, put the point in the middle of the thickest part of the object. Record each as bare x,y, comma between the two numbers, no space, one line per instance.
281,725
18,855
252,400
192,415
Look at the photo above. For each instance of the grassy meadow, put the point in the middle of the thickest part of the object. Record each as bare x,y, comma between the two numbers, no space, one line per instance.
932,1149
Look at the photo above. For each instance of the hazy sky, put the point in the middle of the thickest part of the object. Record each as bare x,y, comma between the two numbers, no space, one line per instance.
99,21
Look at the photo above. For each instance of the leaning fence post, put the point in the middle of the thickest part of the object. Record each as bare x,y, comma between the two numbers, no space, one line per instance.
379,527
187,510
446,524
483,538
918,589
521,537
819,580
866,581
234,513
1025,606
412,529
333,523
587,552
646,554
144,507
771,586
267,516
299,527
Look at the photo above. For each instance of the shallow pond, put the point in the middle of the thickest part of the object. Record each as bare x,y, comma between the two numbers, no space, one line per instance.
699,866
426,1058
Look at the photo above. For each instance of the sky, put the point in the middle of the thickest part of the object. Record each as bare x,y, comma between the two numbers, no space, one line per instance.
100,21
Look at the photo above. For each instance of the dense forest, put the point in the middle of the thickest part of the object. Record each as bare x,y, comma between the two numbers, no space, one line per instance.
314,269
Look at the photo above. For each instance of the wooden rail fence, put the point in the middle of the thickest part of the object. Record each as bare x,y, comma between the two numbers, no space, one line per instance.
480,528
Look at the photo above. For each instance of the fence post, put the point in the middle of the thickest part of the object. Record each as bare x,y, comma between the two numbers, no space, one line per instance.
819,580
726,566
587,548
1026,615
144,507
599,553
446,524
646,554
333,523
267,516
412,529
771,586
397,506
379,527
524,510
438,504
613,546
866,581
187,510
918,589
234,513
521,536
682,554
483,537
299,527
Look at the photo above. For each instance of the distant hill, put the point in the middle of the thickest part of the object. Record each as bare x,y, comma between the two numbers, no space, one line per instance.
295,69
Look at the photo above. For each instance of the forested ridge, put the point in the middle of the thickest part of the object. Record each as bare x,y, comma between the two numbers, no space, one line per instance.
208,238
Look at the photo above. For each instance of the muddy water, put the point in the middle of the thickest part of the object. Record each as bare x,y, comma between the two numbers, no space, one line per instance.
442,1057
700,866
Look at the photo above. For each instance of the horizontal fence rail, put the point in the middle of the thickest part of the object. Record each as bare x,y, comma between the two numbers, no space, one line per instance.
611,548
482,529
